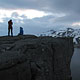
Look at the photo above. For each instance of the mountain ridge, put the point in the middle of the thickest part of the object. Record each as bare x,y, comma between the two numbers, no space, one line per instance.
68,32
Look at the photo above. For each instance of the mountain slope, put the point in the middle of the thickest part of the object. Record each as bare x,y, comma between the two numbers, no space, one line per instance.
68,32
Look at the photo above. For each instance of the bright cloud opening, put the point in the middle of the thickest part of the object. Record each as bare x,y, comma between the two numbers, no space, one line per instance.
29,13
76,24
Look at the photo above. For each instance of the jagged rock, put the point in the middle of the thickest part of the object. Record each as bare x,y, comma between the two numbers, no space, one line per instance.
35,58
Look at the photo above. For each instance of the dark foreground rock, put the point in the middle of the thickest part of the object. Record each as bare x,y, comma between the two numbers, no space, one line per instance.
35,58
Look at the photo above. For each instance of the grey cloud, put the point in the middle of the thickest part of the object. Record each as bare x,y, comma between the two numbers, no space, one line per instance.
71,7
55,5
24,4
68,19
14,14
23,16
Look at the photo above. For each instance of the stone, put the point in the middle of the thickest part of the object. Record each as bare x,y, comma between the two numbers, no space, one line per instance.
35,58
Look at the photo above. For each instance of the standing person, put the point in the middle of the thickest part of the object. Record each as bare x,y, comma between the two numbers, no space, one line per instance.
10,28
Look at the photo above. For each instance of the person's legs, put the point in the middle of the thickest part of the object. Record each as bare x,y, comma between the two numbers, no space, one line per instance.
8,32
11,32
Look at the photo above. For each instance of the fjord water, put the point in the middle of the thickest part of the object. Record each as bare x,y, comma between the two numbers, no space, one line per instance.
75,64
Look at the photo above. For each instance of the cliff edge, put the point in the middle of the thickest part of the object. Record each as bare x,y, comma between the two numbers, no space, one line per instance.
35,58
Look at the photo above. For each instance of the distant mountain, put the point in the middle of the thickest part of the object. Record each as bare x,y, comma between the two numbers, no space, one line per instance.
68,32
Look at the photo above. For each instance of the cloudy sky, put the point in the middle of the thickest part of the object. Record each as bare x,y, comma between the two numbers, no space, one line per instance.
37,16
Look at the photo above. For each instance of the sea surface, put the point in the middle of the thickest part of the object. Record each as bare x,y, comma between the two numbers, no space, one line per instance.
75,64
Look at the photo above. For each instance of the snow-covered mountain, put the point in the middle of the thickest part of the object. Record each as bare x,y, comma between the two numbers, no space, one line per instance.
68,32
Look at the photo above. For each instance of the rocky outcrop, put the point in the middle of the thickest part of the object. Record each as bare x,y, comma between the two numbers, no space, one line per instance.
35,58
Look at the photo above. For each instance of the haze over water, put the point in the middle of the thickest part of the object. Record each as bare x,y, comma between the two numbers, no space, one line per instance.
75,64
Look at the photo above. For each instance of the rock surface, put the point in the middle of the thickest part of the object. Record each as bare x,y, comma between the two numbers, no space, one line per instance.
35,58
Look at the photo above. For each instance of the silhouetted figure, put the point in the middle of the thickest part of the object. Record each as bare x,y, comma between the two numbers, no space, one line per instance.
21,31
10,28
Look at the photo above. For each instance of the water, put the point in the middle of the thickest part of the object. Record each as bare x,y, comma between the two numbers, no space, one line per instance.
75,64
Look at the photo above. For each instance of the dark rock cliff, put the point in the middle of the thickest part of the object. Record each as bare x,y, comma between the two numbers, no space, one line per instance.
35,58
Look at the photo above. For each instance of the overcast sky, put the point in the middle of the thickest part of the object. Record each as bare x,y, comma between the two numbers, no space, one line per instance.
37,16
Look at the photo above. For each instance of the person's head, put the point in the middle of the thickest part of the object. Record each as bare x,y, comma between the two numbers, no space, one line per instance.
21,28
11,20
